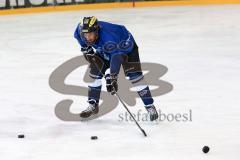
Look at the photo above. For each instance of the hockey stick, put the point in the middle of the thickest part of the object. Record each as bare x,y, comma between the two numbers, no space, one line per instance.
144,133
124,105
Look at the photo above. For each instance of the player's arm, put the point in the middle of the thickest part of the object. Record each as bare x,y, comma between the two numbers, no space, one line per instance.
111,78
117,58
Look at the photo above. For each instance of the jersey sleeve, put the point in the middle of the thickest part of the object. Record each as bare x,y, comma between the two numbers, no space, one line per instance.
115,63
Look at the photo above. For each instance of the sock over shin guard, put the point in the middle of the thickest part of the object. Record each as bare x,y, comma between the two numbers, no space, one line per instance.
94,90
146,96
94,93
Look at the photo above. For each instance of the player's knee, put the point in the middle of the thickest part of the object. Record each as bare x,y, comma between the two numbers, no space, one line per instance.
95,76
96,82
107,71
135,77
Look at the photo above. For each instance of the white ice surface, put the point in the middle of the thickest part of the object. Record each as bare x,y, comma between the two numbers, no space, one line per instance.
200,47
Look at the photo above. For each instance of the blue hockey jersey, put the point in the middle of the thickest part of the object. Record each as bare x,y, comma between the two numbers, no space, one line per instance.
113,40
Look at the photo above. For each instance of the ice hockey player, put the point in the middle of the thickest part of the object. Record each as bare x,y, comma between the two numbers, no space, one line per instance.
114,45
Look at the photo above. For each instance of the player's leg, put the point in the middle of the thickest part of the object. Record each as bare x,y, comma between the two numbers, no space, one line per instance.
94,88
132,68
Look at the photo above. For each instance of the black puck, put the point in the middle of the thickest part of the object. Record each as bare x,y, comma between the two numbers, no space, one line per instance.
94,137
21,136
205,149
